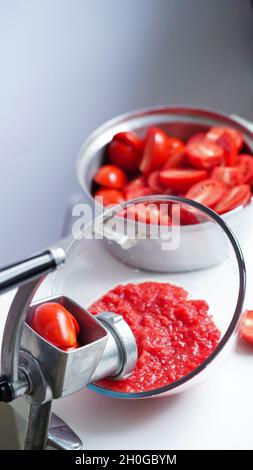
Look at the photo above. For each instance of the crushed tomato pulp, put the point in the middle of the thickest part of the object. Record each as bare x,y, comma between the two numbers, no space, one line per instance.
174,334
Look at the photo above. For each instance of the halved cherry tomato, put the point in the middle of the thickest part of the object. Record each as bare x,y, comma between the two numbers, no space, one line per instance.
55,323
234,197
139,182
246,326
178,160
181,179
154,182
155,151
230,175
125,150
245,165
110,176
175,146
110,196
149,214
138,192
228,144
216,132
137,188
207,192
201,152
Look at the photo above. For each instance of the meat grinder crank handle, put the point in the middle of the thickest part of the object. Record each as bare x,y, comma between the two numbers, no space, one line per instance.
29,274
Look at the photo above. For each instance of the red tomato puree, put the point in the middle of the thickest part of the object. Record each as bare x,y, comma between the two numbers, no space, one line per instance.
173,333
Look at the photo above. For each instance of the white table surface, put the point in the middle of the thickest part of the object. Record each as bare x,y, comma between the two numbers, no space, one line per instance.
217,414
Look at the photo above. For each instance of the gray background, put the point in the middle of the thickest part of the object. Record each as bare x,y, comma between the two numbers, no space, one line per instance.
68,65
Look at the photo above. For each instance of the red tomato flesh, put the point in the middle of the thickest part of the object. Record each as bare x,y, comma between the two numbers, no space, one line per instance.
110,176
181,179
175,146
202,153
55,323
207,192
154,182
245,165
110,196
246,326
177,160
229,175
155,151
125,150
229,147
174,334
234,197
216,132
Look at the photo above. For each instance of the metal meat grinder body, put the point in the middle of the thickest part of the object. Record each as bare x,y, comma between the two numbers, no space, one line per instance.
36,369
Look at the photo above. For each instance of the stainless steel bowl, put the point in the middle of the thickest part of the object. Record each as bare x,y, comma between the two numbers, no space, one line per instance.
182,123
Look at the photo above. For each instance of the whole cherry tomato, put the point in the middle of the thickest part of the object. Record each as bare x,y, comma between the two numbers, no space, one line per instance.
110,196
125,150
155,151
55,323
110,176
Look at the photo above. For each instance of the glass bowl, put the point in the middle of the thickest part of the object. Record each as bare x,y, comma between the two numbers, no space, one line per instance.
114,249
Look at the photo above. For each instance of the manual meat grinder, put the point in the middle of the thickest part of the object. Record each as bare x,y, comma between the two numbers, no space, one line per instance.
36,369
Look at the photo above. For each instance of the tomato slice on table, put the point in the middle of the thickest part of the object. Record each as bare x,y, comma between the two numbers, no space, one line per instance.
229,147
110,196
207,192
234,197
201,152
111,176
55,323
245,165
246,326
229,175
154,182
125,150
216,132
181,179
155,151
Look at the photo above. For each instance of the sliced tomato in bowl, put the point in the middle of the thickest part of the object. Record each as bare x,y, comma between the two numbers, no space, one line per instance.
178,160
110,196
175,146
234,197
181,179
229,148
207,192
216,132
229,175
155,151
245,166
125,150
203,153
154,182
